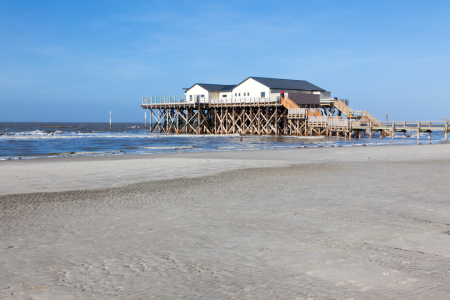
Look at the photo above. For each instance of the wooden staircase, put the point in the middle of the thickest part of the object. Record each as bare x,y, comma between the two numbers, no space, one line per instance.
288,103
346,110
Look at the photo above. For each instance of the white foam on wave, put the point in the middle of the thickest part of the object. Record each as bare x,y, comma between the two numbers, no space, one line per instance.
168,147
71,136
38,134
63,154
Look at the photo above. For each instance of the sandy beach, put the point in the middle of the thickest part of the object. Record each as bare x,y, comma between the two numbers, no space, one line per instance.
309,223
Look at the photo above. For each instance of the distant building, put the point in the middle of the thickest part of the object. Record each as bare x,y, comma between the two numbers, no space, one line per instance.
257,87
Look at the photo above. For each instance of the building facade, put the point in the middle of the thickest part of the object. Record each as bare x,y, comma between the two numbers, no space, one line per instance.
257,87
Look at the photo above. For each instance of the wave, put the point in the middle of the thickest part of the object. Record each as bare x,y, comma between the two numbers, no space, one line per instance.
84,153
169,148
36,132
39,134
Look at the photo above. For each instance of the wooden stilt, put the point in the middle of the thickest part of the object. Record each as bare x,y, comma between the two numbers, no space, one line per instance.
151,119
276,120
199,119
259,120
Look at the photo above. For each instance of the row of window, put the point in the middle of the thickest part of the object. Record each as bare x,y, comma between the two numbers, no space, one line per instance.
263,94
201,96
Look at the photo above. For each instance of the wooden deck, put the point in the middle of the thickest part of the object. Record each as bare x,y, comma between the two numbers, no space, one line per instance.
404,126
275,116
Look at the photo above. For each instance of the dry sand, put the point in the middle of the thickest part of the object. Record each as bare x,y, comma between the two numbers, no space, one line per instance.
322,223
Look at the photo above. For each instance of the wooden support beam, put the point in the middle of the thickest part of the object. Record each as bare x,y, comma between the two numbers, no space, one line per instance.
199,117
151,120
276,120
259,120
393,130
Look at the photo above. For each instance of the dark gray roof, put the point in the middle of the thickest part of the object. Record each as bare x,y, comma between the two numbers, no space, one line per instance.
215,87
287,84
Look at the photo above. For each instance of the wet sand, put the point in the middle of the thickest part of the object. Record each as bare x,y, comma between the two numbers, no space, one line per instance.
322,223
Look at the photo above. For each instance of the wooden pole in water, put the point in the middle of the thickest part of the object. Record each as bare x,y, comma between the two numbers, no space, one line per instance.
158,124
446,130
393,130
151,119
418,131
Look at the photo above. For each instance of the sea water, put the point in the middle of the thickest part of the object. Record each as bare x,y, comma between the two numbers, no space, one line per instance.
33,140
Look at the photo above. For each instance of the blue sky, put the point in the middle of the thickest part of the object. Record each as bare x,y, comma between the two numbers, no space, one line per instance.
78,60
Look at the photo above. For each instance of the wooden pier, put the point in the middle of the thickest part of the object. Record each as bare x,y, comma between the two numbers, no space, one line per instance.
274,116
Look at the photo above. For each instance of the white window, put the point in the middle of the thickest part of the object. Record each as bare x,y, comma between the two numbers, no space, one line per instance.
248,94
235,94
239,94
203,96
263,94
224,95
190,97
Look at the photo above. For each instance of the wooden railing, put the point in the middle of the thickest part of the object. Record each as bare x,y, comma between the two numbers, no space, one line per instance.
412,125
168,100
366,116
298,113
334,123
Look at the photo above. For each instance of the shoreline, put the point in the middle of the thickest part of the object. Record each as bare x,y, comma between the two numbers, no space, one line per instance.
161,154
140,143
